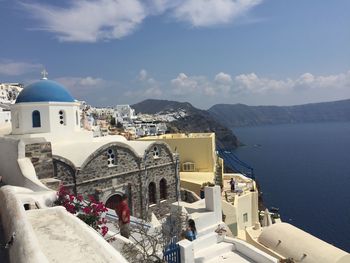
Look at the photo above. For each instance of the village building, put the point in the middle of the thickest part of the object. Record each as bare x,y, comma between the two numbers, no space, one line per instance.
47,134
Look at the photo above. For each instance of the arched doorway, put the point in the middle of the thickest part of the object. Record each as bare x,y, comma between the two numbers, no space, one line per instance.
113,200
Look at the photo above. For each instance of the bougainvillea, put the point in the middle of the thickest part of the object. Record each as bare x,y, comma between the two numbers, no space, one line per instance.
90,211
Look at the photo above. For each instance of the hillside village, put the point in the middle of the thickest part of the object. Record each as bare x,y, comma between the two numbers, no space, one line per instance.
120,119
57,151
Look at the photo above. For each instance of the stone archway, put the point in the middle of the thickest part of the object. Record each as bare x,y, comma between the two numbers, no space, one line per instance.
113,200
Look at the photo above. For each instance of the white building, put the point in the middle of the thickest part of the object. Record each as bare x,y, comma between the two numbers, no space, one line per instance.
9,92
124,113
5,116
37,111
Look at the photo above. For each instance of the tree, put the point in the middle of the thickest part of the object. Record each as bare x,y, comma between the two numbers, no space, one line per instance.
149,243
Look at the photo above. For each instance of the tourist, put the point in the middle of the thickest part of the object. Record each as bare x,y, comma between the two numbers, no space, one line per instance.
123,213
191,231
232,184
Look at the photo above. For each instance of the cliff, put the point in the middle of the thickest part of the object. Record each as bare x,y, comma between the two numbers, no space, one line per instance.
235,115
195,120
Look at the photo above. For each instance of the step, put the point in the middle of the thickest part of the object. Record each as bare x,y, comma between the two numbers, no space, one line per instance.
229,258
213,251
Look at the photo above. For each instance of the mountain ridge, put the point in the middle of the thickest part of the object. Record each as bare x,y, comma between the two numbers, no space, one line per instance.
238,115
196,120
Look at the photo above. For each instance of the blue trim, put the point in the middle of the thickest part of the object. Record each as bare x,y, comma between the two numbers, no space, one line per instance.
44,91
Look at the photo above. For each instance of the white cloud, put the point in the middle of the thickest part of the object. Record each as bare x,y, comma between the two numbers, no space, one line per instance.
253,84
183,84
212,12
150,88
99,20
89,21
142,75
80,86
12,68
223,86
223,78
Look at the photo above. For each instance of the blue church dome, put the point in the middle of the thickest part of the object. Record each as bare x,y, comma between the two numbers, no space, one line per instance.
44,91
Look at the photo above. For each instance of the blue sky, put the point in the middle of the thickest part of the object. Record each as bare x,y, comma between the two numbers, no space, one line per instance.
108,52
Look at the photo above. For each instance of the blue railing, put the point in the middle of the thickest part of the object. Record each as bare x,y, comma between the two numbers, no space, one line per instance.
171,253
234,163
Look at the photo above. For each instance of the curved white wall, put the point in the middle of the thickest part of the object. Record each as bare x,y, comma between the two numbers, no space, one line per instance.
49,118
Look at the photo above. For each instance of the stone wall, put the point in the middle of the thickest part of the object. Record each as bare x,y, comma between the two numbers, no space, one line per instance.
64,170
40,155
130,174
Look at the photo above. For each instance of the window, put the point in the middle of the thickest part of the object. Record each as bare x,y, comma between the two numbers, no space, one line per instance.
188,167
16,119
110,157
163,189
245,217
155,152
76,118
36,119
62,117
152,193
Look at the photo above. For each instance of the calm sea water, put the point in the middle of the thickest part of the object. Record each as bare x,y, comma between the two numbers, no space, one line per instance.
304,169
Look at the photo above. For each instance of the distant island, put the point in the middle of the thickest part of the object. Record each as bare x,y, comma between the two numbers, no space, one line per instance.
221,118
238,115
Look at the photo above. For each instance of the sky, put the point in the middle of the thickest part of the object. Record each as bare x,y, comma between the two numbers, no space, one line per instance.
206,52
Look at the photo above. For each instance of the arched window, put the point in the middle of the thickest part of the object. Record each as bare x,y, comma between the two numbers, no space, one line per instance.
162,189
155,152
111,157
152,193
36,119
62,117
113,201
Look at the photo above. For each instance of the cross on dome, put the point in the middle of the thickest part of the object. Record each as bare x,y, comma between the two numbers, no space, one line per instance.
44,74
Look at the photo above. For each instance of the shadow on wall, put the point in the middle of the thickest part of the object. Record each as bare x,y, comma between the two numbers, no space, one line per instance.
3,251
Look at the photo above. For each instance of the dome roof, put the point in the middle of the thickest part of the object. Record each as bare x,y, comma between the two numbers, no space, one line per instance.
44,91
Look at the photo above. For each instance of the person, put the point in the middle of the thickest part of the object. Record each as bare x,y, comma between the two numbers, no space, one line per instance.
191,231
232,184
123,213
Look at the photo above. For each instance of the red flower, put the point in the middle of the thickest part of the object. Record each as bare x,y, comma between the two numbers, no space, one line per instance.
92,199
104,230
87,209
80,198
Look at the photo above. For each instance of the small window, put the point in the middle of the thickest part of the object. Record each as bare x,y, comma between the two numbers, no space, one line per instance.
245,217
62,117
162,189
152,193
111,157
155,152
36,119
16,119
76,118
188,167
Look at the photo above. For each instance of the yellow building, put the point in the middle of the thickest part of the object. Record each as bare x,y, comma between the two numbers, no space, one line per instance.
199,162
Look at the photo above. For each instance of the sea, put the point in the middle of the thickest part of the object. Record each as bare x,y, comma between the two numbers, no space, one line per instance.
304,170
